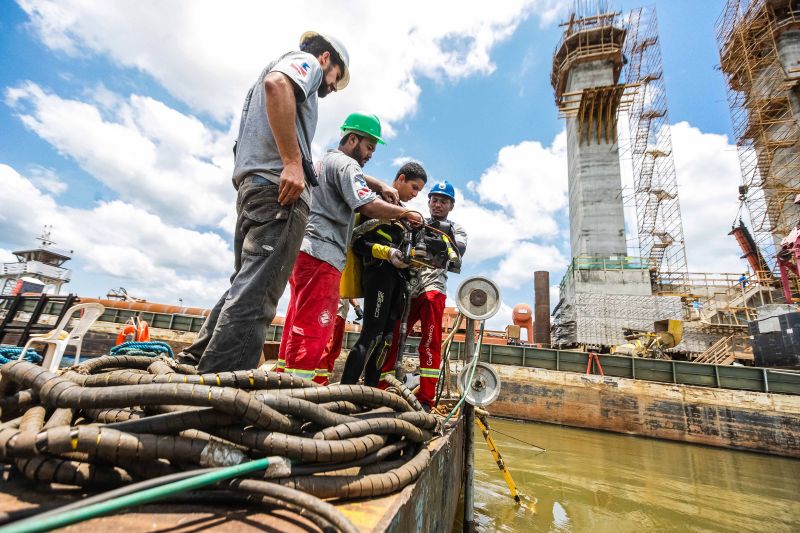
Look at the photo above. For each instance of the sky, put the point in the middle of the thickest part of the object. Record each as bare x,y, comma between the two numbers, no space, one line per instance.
117,121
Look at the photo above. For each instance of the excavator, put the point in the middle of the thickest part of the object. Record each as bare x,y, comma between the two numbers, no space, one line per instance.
666,334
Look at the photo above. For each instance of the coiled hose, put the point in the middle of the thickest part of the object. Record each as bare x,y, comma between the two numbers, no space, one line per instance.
126,419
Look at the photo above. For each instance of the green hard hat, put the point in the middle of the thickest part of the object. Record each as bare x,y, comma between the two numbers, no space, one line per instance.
366,124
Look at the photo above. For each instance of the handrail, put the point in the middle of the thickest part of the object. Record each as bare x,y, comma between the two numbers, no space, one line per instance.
664,371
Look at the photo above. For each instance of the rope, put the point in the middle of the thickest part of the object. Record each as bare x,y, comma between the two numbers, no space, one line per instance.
152,348
10,353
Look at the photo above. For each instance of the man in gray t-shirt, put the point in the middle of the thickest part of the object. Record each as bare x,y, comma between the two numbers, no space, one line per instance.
343,189
278,121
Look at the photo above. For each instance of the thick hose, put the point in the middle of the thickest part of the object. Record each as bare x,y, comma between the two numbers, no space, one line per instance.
136,417
301,448
404,392
380,426
381,455
60,417
360,394
74,516
17,403
362,486
300,499
240,379
59,392
167,423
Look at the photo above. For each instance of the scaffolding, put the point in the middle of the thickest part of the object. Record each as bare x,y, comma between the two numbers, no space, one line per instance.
591,35
755,48
658,210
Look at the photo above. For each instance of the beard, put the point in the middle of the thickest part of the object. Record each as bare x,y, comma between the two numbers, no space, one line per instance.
324,88
360,156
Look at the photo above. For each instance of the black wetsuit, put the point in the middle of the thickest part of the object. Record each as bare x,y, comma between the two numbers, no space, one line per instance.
384,298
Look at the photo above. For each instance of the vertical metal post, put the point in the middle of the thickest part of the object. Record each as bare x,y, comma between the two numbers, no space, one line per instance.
469,439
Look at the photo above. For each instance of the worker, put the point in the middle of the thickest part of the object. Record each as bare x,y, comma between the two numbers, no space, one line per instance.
383,278
743,280
428,301
272,171
334,347
314,283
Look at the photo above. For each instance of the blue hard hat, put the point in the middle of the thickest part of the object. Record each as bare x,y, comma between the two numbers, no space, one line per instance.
444,188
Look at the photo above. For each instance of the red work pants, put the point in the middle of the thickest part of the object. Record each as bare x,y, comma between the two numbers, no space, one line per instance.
310,316
331,352
427,308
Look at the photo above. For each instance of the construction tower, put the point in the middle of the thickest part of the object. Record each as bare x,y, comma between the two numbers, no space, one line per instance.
586,72
607,65
658,211
759,44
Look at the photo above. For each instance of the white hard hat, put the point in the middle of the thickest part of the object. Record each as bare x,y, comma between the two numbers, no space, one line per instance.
340,49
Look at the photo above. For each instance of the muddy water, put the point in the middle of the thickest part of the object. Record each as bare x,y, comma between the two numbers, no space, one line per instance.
604,482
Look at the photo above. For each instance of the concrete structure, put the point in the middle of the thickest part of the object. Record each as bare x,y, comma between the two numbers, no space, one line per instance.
586,69
541,317
605,64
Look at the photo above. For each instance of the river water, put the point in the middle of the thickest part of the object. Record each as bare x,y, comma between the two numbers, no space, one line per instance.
604,482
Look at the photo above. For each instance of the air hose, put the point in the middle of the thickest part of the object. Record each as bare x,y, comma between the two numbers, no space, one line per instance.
123,419
444,370
35,524
474,365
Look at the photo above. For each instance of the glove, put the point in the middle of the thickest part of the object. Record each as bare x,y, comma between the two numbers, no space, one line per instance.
396,259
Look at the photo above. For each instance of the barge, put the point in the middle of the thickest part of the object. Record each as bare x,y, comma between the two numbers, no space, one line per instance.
734,407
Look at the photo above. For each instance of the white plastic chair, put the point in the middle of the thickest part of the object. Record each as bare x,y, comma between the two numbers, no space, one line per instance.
58,339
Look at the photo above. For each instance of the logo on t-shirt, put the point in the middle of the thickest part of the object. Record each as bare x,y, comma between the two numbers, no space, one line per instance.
361,188
301,68
324,318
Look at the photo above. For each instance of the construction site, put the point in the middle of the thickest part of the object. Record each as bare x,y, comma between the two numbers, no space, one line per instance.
123,434
607,72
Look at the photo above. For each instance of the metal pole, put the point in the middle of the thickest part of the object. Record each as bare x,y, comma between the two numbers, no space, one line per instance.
469,439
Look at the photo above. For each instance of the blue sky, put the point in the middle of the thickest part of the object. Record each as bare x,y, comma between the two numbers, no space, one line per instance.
116,121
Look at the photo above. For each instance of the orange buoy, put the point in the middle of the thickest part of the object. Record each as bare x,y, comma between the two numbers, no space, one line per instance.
134,331
143,332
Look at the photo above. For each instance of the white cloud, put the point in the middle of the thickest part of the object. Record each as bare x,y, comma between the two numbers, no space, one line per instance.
208,54
518,266
708,177
530,182
154,259
6,256
146,152
46,179
400,161
555,295
518,200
